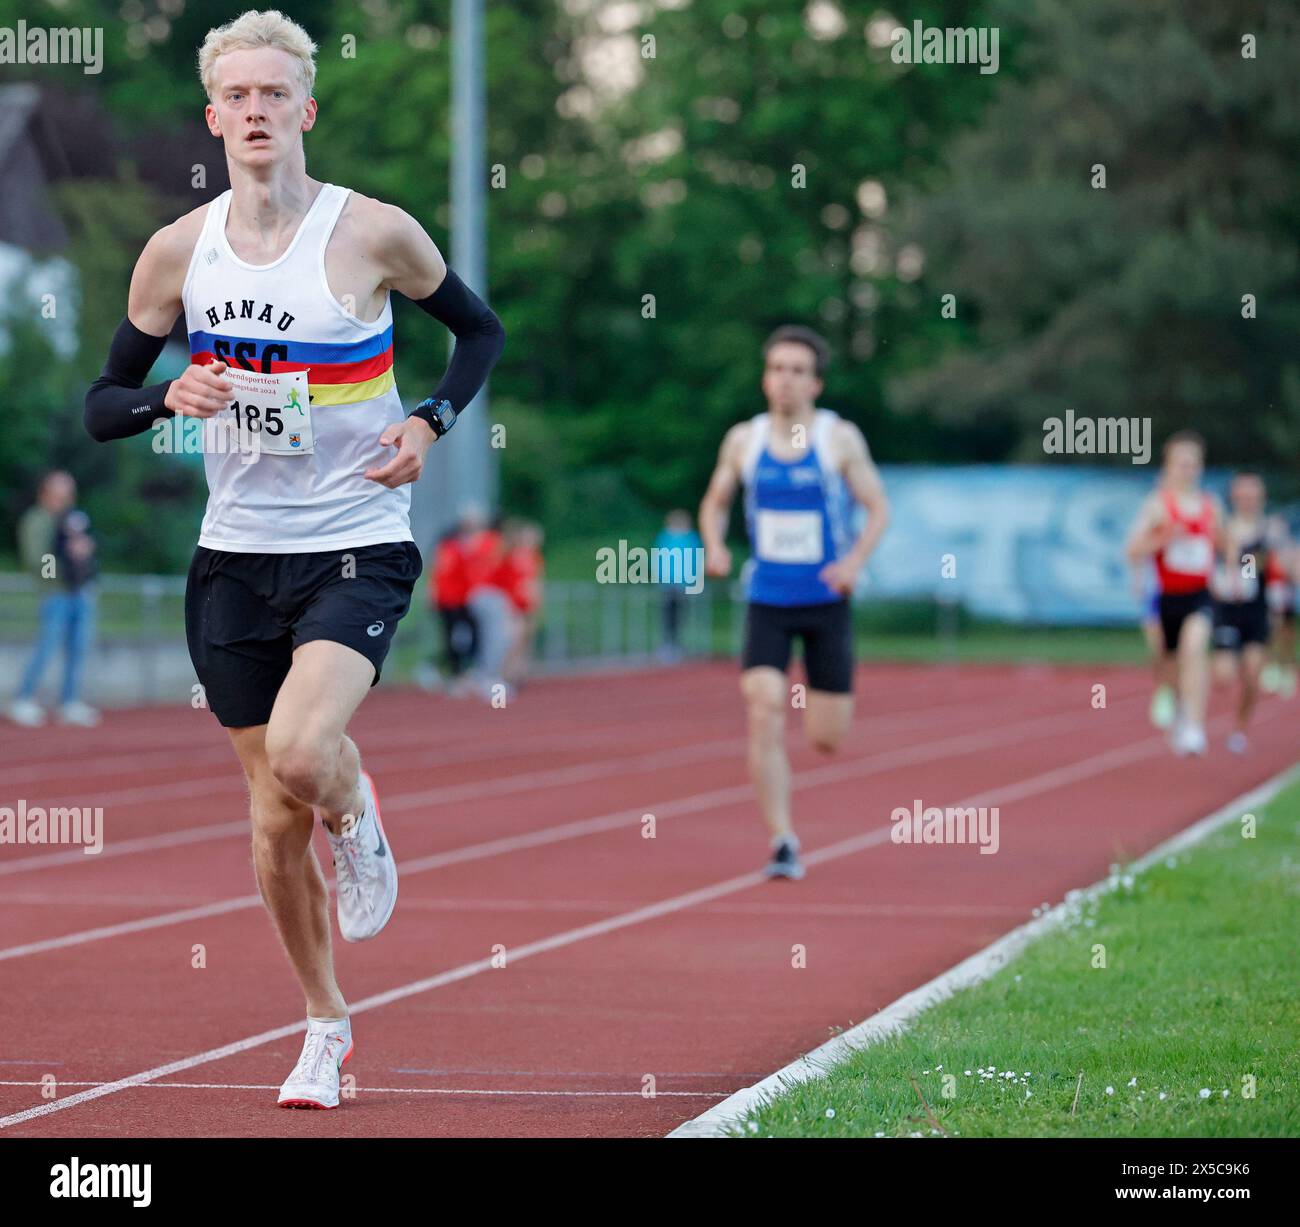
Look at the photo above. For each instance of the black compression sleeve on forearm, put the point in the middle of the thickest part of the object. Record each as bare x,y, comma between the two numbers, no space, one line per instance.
116,404
479,339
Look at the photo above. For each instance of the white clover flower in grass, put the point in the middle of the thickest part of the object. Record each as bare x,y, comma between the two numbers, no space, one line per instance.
1110,1090
1163,1095
1205,1092
1132,1082
830,1112
1225,1094
968,1073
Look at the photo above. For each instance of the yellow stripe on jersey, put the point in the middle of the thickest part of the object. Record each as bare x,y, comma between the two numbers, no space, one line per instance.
349,393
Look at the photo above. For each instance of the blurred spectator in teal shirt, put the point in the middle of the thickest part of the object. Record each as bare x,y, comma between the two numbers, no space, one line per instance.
679,563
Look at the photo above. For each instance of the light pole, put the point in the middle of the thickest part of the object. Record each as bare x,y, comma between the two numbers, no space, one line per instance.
462,467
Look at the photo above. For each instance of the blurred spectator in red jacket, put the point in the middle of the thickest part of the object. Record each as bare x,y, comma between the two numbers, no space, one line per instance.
519,575
448,595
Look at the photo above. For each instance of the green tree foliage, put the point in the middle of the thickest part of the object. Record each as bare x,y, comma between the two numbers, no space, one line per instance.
731,191
749,164
1125,299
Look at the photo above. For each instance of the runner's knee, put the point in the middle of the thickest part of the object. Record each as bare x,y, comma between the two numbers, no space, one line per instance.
301,765
764,706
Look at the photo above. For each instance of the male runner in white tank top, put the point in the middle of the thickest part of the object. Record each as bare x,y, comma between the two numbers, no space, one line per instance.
305,561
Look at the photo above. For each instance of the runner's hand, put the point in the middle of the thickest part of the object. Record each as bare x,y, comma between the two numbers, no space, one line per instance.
841,575
412,438
200,392
717,562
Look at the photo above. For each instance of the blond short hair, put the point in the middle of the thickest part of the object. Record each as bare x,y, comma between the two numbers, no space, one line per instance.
270,28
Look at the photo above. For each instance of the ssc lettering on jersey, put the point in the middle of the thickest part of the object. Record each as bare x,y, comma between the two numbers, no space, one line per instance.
275,408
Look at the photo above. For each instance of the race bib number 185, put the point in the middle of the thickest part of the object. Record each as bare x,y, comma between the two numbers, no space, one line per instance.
270,413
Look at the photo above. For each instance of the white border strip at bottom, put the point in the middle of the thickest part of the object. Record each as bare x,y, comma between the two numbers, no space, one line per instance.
979,967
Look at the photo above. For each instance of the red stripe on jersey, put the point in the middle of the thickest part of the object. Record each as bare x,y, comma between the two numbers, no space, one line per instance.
322,372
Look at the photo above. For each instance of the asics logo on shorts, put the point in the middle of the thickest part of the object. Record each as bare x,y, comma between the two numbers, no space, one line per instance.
374,629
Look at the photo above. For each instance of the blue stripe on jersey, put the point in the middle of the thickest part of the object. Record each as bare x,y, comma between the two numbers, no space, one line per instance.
305,352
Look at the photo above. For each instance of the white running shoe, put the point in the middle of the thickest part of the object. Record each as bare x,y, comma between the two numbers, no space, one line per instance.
364,870
314,1082
1188,739
27,712
1164,707
78,713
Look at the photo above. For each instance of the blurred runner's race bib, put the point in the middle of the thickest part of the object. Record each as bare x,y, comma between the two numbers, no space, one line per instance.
789,536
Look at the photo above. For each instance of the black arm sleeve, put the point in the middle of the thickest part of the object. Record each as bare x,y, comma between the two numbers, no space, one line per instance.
116,404
479,339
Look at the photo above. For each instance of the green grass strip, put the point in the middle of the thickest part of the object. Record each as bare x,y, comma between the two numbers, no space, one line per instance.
1190,1029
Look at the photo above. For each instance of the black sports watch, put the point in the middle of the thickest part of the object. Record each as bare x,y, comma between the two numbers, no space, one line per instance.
438,413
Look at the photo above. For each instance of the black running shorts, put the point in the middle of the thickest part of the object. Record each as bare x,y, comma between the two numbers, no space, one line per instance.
1176,608
826,632
1239,623
246,613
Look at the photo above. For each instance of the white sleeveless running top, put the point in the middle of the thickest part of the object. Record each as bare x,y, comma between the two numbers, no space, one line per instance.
282,317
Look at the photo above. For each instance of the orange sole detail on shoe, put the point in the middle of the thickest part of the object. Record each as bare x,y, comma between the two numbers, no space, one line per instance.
311,1103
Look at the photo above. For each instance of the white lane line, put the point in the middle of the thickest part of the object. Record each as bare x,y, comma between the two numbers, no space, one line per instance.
527,782
921,716
677,903
697,803
392,751
142,925
405,1090
127,847
126,731
718,1120
231,780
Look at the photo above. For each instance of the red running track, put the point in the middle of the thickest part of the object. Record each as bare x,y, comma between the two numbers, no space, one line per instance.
631,963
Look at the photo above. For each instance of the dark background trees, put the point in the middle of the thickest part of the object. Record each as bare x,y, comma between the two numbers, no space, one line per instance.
746,164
